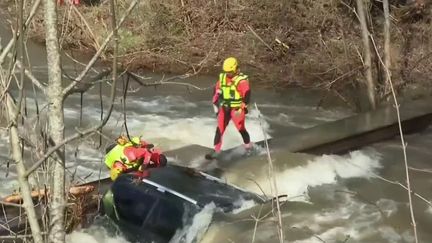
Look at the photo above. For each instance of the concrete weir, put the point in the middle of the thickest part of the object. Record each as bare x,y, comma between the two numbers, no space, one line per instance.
338,136
329,138
354,132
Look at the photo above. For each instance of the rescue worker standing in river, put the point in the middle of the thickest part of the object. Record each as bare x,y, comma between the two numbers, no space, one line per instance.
134,155
230,101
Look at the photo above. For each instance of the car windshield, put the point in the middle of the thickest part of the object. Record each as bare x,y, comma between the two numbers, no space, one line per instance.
146,206
132,205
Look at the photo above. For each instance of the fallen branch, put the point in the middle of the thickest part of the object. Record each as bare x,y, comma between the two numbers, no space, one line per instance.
259,38
17,199
11,204
17,237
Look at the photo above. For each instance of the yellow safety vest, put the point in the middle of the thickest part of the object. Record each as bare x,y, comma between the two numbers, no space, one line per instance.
117,154
230,95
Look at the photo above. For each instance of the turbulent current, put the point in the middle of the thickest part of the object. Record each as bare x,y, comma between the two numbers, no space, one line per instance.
331,198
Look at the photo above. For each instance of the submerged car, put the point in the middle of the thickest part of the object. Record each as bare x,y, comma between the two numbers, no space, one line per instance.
152,209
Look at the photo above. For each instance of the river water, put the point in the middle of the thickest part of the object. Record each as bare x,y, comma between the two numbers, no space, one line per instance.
332,198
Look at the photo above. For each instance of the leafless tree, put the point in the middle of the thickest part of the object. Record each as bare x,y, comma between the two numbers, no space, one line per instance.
56,93
389,84
13,113
387,60
55,123
366,54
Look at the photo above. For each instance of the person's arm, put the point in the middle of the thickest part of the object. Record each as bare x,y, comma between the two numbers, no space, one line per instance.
245,92
216,93
133,154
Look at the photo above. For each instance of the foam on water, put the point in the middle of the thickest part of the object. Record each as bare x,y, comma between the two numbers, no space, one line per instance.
350,218
167,130
94,234
166,122
243,205
388,207
195,231
172,133
162,103
389,234
324,170
294,115
296,181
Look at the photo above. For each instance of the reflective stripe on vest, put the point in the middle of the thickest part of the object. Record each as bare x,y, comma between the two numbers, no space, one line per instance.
230,95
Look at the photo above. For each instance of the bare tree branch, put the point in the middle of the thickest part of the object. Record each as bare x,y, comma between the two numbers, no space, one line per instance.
84,86
140,80
6,51
87,26
12,41
101,49
421,170
273,180
30,75
396,104
406,188
84,133
259,38
13,112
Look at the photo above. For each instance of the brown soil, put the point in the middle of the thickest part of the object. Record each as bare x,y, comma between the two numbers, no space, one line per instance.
310,43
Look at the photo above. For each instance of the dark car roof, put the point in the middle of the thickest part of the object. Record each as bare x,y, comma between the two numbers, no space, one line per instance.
197,187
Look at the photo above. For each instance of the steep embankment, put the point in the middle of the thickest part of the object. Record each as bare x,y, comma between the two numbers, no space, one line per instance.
308,43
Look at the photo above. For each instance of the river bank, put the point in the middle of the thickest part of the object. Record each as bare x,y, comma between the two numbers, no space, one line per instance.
340,205
312,44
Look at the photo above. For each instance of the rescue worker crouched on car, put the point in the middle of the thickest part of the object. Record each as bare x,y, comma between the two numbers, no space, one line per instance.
133,155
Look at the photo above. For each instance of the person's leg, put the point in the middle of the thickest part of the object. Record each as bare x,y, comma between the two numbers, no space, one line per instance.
223,120
238,117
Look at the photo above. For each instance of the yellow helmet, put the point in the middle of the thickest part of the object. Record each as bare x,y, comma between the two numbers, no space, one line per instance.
230,64
122,140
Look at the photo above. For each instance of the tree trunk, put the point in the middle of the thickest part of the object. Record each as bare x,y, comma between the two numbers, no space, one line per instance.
366,54
387,61
21,171
56,124
13,112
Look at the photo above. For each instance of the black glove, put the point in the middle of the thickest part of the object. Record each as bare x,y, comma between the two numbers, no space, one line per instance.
149,146
215,109
246,110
